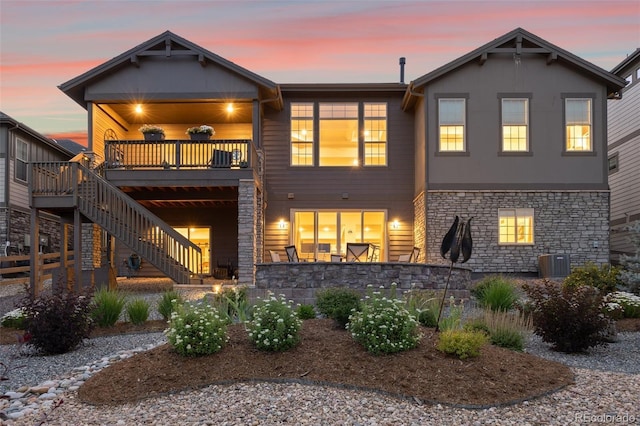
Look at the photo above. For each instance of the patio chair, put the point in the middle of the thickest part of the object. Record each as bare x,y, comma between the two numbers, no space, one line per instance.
336,258
357,252
415,254
404,258
374,256
292,253
275,256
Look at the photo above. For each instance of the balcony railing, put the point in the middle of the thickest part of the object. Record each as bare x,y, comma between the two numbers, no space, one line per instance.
180,154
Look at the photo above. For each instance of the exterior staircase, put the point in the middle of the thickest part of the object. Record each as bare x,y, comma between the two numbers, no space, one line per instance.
107,206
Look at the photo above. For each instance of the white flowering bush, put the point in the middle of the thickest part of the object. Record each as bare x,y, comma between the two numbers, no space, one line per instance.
628,304
205,129
196,329
14,319
275,325
384,325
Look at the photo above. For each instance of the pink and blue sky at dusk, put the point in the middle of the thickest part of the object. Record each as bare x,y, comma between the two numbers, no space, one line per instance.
48,42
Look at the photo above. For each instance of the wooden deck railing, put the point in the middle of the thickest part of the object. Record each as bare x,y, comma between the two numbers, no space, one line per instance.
131,223
16,269
180,154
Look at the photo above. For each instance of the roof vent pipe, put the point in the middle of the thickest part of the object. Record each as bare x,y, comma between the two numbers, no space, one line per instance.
402,62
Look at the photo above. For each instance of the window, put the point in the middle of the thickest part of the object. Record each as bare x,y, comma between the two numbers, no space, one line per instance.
451,118
339,138
629,79
613,163
578,124
515,226
375,134
22,158
302,134
515,122
318,234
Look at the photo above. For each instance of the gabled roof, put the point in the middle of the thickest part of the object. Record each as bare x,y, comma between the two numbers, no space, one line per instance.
71,145
517,41
168,42
16,125
628,60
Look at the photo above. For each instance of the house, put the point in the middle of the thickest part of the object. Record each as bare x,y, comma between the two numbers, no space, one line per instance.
512,134
20,145
623,134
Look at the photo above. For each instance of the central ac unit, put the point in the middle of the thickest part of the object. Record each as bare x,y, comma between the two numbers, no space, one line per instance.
554,265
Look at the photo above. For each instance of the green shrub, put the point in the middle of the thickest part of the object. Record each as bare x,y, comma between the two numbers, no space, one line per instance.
275,326
137,311
571,318
507,338
423,305
338,303
59,322
14,319
233,302
452,318
384,325
496,293
167,302
461,343
506,329
627,303
306,312
605,277
196,329
108,305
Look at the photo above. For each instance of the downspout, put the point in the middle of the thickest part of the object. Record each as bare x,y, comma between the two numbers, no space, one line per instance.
425,249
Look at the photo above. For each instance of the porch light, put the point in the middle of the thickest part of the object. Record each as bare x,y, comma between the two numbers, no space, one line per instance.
395,224
229,108
282,224
138,109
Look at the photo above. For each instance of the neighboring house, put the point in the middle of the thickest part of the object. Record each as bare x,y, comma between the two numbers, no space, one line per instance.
624,156
20,145
512,134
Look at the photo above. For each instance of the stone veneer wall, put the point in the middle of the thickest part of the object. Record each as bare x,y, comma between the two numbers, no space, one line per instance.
4,221
247,227
91,246
419,225
300,281
565,222
21,226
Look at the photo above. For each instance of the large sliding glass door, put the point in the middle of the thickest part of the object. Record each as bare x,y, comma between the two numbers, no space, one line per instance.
319,233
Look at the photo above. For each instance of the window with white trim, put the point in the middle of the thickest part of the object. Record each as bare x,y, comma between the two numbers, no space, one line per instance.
22,158
578,124
515,125
515,226
302,134
451,120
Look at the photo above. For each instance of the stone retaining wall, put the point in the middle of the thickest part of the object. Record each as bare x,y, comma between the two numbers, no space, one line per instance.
300,281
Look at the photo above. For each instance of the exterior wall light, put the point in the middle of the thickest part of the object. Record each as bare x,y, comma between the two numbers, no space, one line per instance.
395,224
282,224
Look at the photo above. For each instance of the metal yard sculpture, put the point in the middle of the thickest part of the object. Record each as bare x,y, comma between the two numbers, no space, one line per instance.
457,241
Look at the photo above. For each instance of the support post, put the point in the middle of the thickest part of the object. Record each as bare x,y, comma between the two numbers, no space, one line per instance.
77,250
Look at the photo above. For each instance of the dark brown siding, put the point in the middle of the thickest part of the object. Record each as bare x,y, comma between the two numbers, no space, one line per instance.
340,188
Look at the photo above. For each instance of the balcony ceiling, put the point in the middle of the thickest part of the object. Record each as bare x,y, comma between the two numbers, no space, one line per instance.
181,197
184,113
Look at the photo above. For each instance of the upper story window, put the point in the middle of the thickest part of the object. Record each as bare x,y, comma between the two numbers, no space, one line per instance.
22,158
451,121
515,226
375,134
515,125
578,125
339,137
302,134
629,79
348,134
